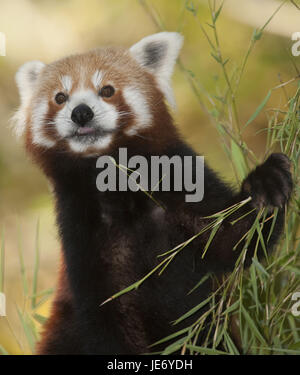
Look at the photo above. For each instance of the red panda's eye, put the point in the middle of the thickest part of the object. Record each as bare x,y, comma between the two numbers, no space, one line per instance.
60,98
107,91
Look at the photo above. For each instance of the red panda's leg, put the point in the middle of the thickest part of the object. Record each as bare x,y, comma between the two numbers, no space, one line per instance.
59,334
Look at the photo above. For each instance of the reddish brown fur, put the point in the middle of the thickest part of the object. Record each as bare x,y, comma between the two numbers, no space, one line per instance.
61,311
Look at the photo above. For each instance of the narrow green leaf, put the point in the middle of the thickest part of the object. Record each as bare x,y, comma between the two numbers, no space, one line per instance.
253,326
22,264
193,310
254,285
211,237
202,280
27,330
239,160
260,267
36,265
257,34
216,15
232,348
203,350
40,319
216,58
259,109
170,337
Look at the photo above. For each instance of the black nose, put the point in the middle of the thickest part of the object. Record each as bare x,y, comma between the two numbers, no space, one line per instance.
82,114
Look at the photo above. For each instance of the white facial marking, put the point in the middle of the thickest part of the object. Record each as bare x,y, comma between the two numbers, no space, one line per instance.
103,142
66,82
105,118
38,123
100,144
97,79
138,104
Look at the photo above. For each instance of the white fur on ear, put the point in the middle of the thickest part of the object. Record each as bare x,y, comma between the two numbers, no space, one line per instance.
26,78
158,54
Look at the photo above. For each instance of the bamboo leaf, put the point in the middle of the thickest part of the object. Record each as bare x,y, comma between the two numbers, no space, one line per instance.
203,350
36,266
193,310
259,109
253,326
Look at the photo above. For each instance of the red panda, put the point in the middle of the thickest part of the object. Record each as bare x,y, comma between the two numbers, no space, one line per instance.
86,105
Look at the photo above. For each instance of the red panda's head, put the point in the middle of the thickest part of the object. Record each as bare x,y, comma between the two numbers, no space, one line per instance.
85,103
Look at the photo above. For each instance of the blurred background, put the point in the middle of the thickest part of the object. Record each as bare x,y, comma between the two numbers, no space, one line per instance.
48,30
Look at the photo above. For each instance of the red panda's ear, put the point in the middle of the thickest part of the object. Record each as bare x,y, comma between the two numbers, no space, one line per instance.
158,54
26,78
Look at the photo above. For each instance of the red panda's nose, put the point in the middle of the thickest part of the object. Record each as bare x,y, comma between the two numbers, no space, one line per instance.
82,114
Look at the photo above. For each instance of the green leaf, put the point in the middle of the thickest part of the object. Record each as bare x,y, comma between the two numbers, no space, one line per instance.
216,58
254,285
259,109
260,267
257,34
193,310
22,264
189,6
232,348
170,337
231,308
203,350
253,326
239,160
202,280
28,329
36,265
216,15
40,319
211,237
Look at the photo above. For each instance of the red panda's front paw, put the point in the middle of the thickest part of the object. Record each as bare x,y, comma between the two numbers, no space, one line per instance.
270,184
